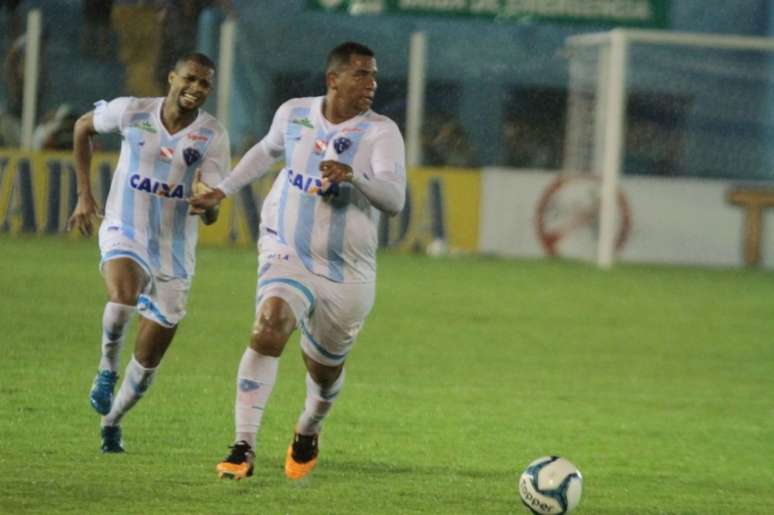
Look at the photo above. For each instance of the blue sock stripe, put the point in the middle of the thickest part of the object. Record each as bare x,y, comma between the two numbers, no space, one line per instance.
137,388
329,396
112,336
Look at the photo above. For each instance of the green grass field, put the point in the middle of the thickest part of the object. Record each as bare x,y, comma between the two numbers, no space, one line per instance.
658,382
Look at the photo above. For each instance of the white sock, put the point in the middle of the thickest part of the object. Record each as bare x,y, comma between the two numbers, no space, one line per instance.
114,321
255,380
137,380
318,403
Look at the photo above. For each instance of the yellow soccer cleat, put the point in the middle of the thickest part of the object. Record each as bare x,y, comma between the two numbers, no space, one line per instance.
238,464
302,456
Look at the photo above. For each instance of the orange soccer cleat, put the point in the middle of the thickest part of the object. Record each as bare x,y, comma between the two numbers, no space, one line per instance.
238,464
302,456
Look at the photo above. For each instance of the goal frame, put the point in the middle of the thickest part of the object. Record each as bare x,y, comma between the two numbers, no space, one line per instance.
610,125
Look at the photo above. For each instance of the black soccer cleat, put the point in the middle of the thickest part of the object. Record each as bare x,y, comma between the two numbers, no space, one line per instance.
111,440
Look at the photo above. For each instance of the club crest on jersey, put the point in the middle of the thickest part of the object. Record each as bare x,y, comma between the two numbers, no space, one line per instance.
154,187
191,155
166,153
320,145
342,144
311,185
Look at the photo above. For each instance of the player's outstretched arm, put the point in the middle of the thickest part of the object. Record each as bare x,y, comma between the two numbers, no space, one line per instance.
86,208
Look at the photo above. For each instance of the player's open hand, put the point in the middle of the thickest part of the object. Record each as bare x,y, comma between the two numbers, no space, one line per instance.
334,172
84,214
204,197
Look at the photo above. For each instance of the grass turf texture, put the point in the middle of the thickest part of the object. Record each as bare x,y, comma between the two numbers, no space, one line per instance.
656,381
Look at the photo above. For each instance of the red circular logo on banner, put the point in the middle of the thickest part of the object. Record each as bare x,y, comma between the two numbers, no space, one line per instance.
569,205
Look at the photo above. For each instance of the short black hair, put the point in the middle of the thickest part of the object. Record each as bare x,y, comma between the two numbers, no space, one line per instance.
195,57
341,55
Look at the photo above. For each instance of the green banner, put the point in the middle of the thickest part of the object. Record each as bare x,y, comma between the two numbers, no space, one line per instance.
631,13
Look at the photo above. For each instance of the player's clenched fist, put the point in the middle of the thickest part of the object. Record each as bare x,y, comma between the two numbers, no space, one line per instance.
204,198
334,172
199,187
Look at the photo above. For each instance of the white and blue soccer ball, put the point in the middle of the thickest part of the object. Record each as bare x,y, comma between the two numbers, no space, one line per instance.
550,486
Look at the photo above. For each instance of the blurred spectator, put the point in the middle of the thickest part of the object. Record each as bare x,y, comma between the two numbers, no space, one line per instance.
13,72
10,130
136,26
56,131
445,143
531,144
95,38
13,21
179,25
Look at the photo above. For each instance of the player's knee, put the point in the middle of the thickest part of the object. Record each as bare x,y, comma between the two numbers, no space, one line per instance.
125,293
325,376
127,298
268,340
148,359
271,331
124,280
149,356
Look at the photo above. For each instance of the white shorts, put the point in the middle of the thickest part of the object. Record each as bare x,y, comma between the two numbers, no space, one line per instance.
164,298
329,314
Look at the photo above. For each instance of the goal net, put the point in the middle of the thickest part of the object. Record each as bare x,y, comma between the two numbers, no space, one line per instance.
663,104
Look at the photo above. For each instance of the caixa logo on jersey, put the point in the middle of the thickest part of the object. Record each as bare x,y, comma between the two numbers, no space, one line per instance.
154,187
311,185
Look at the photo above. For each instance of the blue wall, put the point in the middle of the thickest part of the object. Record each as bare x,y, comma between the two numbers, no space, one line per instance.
477,68
487,60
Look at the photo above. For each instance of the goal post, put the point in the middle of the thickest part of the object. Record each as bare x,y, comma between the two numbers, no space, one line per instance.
676,98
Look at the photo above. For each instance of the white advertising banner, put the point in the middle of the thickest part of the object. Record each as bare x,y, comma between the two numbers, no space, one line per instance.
534,213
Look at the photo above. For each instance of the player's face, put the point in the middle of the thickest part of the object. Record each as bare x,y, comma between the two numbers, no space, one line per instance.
356,83
189,85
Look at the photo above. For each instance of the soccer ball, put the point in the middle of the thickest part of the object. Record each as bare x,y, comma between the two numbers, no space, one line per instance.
437,248
550,486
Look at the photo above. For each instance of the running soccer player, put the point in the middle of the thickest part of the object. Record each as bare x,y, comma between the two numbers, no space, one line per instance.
317,249
147,239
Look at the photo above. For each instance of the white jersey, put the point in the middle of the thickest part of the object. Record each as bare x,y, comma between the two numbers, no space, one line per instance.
153,178
334,233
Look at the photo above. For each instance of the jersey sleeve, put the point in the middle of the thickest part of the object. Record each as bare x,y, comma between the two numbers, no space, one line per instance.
274,141
389,154
385,183
258,160
217,160
108,115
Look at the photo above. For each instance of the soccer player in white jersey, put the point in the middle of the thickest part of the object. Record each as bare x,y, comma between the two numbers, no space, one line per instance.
317,249
147,237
